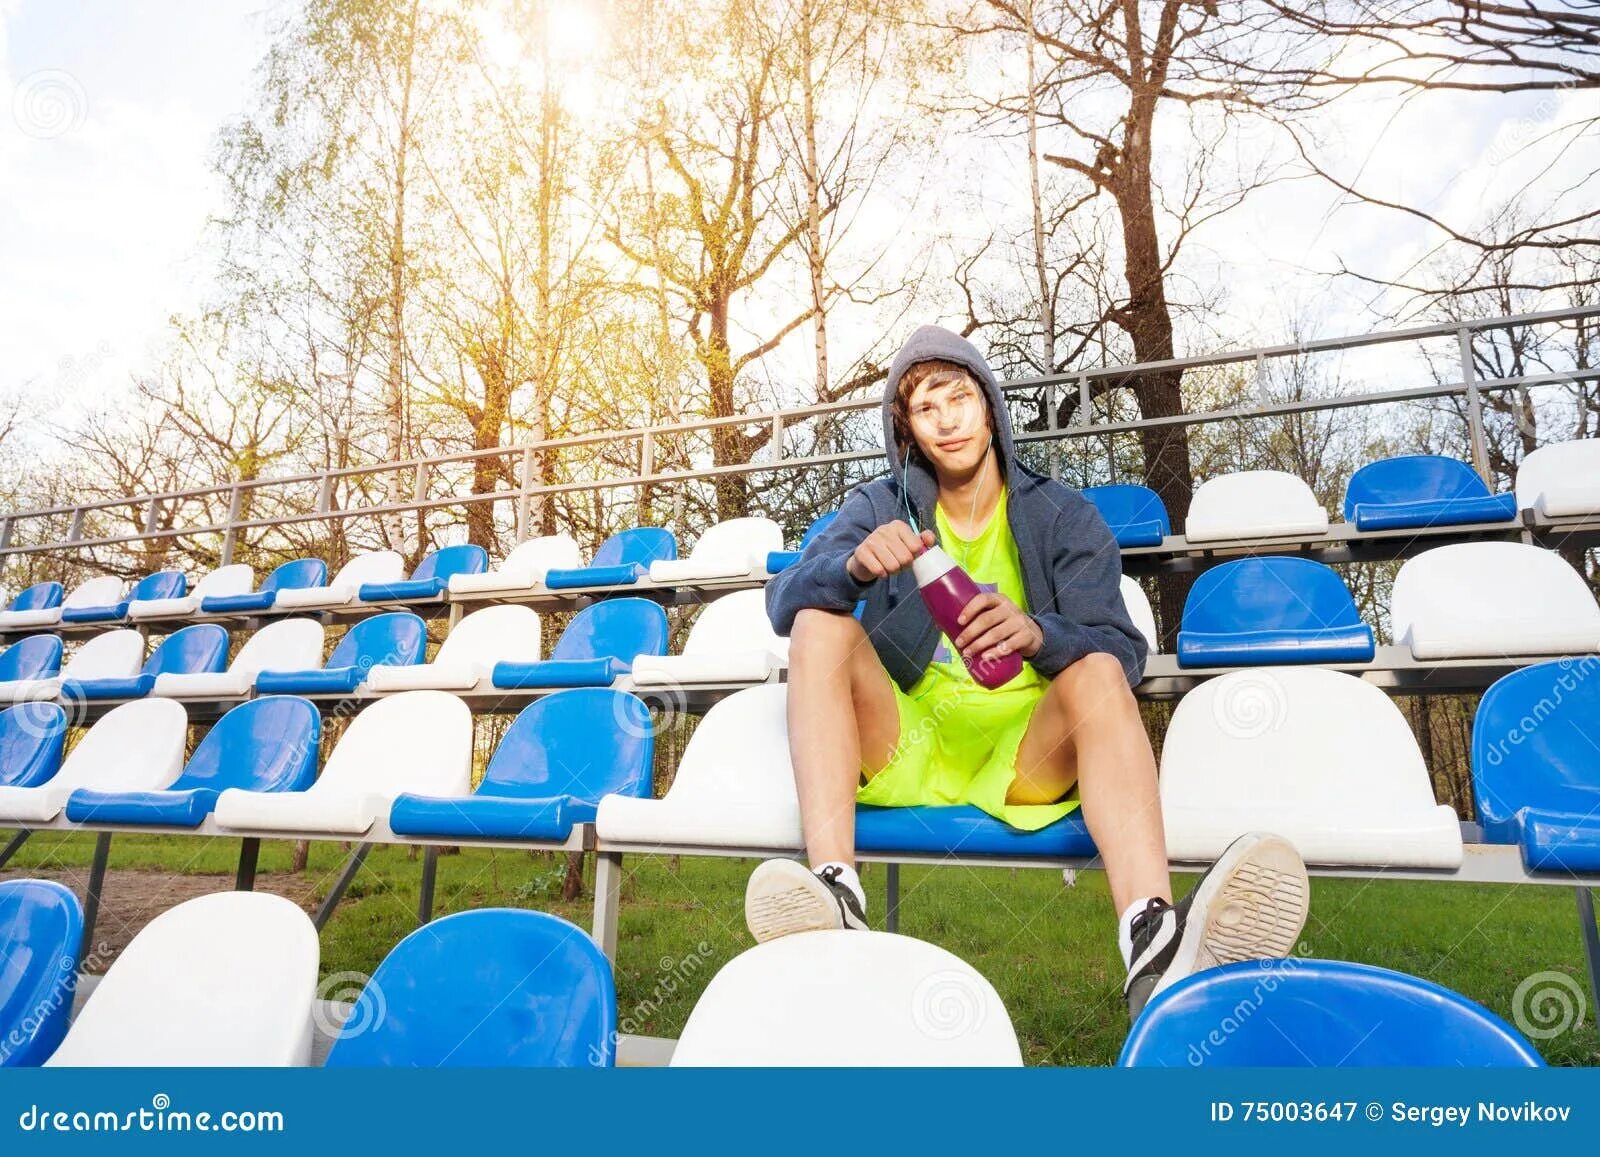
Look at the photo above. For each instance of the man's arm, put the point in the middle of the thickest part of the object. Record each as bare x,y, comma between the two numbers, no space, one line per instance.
820,579
1088,614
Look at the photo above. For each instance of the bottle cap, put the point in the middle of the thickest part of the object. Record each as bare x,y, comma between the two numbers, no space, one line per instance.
930,564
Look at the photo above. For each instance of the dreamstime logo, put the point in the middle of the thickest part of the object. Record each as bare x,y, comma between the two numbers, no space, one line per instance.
1251,704
668,696
49,104
949,1004
1548,1004
369,1012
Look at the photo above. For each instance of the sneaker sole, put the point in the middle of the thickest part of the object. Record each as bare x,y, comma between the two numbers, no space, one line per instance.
1251,906
784,897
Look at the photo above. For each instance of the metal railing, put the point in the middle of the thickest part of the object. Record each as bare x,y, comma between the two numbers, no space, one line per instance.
527,457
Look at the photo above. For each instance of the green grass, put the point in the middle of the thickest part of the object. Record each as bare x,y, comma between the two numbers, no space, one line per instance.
1049,950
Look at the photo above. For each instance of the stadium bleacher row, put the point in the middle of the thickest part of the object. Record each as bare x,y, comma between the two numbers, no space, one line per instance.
1280,724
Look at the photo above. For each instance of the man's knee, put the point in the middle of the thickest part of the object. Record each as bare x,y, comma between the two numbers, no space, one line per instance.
822,633
1094,685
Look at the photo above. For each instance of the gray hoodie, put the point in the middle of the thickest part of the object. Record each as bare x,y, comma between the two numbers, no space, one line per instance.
1071,567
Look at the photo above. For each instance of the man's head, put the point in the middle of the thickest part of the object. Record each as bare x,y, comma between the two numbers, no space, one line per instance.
940,412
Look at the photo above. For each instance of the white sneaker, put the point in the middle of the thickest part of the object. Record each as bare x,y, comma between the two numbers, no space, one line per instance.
785,896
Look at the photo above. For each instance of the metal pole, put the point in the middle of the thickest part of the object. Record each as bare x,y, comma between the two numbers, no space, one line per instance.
892,914
607,899
231,538
346,878
1469,380
1591,946
97,883
11,848
524,498
430,870
249,853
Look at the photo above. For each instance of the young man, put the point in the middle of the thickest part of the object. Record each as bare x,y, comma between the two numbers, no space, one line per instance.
884,711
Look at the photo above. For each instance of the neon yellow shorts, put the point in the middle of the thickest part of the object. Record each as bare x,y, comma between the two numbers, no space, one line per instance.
960,747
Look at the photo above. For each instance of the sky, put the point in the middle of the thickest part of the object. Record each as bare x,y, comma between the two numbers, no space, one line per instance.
108,120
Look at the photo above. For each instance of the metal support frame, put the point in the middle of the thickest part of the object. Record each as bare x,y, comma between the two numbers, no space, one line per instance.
244,879
14,845
607,900
430,875
1469,383
891,914
97,883
352,867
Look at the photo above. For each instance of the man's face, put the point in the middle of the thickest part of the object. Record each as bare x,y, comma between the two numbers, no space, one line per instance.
950,421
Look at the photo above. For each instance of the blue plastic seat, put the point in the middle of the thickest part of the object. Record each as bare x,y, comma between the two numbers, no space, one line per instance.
779,559
397,639
966,830
431,577
1256,611
302,572
1422,490
163,584
198,650
41,927
266,744
35,657
559,756
1298,1013
491,988
1536,764
1135,514
32,737
623,558
38,597
598,645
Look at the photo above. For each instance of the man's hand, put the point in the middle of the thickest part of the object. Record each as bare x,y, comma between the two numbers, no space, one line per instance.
993,626
886,550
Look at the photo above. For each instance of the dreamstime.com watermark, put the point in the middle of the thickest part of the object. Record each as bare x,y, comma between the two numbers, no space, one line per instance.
670,975
57,1003
1573,673
1548,1004
158,1117
1273,970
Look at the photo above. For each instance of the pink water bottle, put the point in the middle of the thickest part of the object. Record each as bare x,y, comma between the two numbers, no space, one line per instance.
946,588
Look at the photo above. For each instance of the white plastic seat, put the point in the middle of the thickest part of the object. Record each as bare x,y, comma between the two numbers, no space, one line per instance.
731,549
236,579
108,655
734,786
732,641
283,645
469,652
523,569
417,742
1253,504
1318,756
1561,479
97,592
226,979
848,998
1492,599
377,566
137,746
1138,604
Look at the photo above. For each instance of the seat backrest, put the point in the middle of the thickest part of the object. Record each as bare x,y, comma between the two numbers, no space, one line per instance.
1139,610
267,744
108,655
224,979
1298,1013
1457,587
97,592
234,579
38,597
202,648
1555,467
282,645
136,746
818,525
740,753
375,566
641,545
1250,502
614,628
466,558
301,572
1268,594
507,634
396,639
32,736
494,987
547,552
848,998
739,538
31,657
584,742
1411,478
426,733
163,584
734,623
1534,744
41,925
1122,503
